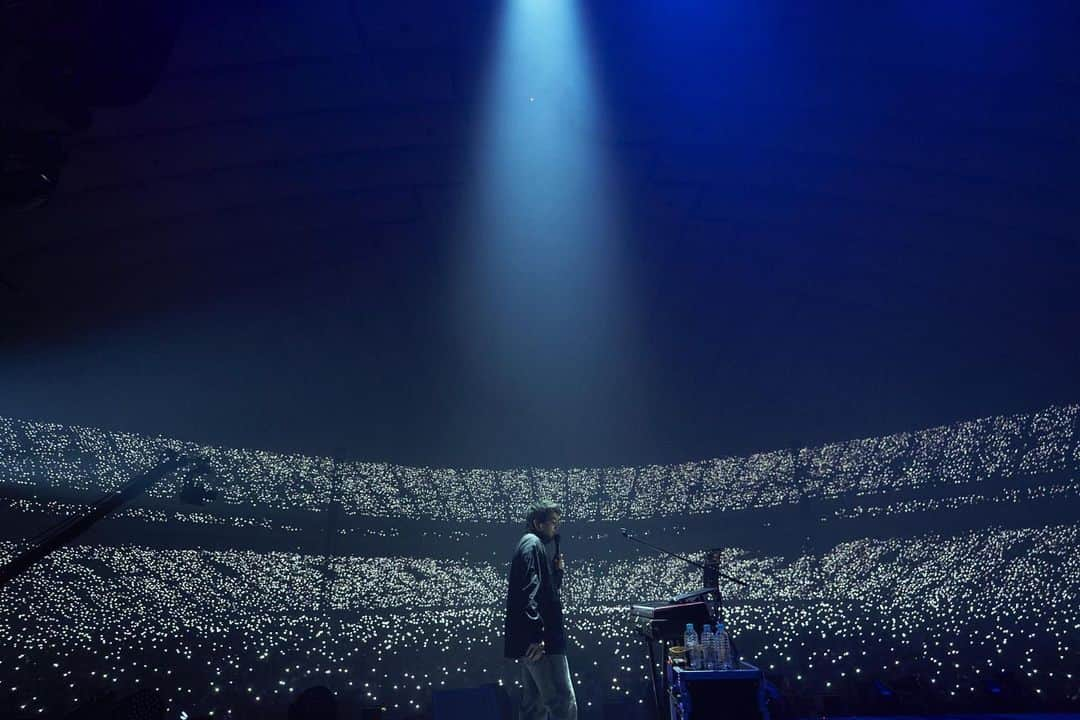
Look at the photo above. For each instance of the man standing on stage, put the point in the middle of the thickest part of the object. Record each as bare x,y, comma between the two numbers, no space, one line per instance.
534,633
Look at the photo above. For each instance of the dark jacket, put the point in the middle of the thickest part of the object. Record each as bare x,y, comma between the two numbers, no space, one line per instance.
533,608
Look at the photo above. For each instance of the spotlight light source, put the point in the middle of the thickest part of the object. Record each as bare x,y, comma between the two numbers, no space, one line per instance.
544,266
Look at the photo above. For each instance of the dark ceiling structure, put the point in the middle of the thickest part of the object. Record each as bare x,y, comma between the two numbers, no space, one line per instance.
835,223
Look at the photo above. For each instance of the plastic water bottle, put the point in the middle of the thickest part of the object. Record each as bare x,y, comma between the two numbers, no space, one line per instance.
724,660
714,649
693,648
708,647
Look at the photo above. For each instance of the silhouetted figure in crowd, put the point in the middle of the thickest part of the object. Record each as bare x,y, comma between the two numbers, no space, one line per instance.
710,576
315,703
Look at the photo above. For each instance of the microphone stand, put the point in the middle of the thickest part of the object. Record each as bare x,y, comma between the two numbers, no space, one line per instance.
626,534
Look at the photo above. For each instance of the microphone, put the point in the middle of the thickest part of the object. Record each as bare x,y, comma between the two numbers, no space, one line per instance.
557,538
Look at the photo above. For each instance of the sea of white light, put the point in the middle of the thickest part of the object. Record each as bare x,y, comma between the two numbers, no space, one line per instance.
944,616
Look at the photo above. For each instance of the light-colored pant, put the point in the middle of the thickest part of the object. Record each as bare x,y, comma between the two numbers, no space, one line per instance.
546,689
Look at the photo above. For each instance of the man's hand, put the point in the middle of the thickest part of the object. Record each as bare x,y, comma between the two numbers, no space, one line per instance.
535,652
560,562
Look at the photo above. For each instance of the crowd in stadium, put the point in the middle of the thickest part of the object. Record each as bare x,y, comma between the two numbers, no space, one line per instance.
927,620
957,612
42,455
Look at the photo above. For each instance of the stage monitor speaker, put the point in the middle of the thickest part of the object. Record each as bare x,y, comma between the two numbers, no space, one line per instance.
732,694
487,702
